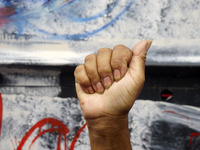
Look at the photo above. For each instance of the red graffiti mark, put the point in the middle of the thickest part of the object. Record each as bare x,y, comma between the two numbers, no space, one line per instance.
173,112
5,12
1,112
184,116
3,21
76,137
56,126
166,95
192,135
15,143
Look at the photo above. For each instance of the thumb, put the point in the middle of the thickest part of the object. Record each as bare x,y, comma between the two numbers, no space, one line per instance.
137,64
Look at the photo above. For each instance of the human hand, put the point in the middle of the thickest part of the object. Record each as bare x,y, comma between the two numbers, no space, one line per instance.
107,85
109,82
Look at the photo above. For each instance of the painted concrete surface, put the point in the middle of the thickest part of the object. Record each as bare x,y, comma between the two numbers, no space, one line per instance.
33,116
64,32
34,122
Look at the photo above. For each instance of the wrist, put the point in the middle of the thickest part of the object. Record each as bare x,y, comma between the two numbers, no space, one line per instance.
109,132
108,124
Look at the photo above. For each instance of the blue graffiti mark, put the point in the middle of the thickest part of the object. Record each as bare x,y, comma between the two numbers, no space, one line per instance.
109,9
21,18
7,3
67,4
57,5
20,26
22,15
88,34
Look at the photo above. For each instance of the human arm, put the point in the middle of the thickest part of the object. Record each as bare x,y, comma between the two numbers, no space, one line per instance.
107,86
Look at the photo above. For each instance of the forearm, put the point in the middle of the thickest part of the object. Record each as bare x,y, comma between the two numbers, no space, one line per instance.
109,133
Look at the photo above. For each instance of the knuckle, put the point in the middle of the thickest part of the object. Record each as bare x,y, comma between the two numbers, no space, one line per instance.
103,50
119,46
95,79
93,75
121,55
78,70
128,52
84,81
90,58
115,63
124,51
143,57
80,77
90,71
104,71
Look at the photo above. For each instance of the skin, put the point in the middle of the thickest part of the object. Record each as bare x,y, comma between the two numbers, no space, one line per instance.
107,85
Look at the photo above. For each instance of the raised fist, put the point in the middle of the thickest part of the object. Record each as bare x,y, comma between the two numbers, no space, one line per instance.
108,83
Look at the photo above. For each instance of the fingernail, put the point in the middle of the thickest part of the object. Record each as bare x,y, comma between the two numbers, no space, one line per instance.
117,75
90,89
100,87
149,44
107,82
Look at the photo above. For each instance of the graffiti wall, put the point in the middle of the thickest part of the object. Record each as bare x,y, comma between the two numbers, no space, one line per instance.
34,115
55,123
41,39
74,28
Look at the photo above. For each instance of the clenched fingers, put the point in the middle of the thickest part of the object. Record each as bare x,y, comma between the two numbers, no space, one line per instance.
92,72
100,71
104,66
82,78
121,58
